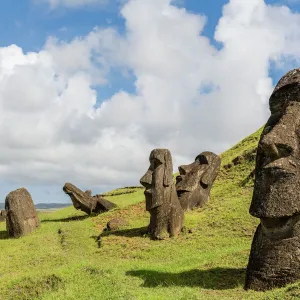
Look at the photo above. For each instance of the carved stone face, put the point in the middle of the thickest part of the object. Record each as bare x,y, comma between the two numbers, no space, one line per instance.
274,257
277,183
195,180
158,179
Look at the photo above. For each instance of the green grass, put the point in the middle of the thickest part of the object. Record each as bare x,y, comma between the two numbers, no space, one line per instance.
62,259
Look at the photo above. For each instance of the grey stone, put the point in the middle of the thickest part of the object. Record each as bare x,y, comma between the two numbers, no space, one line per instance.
21,218
195,181
166,214
116,223
86,202
274,258
3,214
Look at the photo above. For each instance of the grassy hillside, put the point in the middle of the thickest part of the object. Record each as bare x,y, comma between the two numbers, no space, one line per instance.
63,260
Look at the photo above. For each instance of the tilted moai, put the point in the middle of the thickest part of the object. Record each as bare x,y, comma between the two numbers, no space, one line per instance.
195,181
166,214
86,202
21,217
275,253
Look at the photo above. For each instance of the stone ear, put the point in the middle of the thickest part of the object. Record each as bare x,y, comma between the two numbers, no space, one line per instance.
168,177
211,172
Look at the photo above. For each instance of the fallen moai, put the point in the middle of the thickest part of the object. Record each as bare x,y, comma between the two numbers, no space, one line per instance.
86,202
274,258
21,218
166,214
195,181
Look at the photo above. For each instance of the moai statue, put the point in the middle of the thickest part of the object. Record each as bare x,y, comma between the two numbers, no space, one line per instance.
21,217
166,214
86,202
194,183
3,214
275,253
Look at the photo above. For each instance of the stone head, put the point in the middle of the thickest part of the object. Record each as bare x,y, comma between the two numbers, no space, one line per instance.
80,200
195,180
158,179
277,183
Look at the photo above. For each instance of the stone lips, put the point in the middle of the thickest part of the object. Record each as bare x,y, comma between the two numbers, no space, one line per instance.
166,214
21,218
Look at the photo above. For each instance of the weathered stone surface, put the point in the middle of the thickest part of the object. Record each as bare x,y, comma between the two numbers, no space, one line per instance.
86,202
116,223
274,259
194,183
166,214
102,205
21,218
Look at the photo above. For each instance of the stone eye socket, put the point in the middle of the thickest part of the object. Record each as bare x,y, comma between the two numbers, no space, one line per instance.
202,159
156,163
273,120
284,150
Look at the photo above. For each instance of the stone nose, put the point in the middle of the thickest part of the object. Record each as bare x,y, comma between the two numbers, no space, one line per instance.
275,148
278,142
146,180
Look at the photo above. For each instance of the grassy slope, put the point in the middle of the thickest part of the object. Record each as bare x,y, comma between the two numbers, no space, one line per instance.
208,263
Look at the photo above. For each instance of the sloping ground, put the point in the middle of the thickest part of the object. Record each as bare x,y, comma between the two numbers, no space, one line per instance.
64,260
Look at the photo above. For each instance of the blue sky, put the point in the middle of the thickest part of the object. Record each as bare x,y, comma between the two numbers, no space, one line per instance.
64,117
29,23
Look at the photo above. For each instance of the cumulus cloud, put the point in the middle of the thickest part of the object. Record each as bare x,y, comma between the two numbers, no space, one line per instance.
189,97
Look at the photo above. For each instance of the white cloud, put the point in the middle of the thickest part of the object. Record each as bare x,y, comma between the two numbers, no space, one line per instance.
190,97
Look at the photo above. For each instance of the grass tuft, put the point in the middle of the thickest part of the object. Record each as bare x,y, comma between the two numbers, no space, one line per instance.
29,288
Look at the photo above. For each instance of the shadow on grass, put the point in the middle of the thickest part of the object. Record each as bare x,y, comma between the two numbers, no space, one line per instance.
216,279
134,232
69,219
4,235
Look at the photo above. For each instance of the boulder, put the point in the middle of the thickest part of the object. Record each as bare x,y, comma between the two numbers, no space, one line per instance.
116,223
